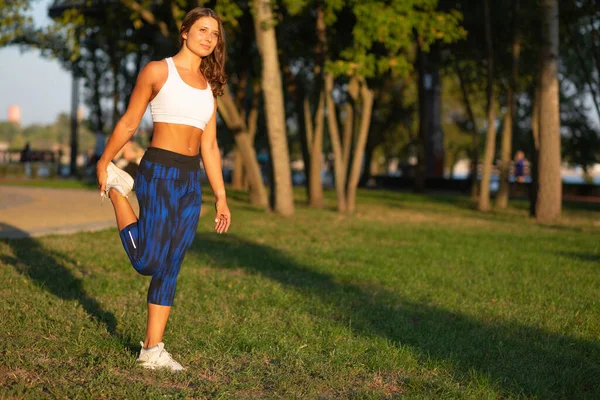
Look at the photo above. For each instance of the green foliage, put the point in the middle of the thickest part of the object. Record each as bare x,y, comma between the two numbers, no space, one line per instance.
383,36
8,130
18,141
458,138
393,124
229,12
295,7
45,137
14,19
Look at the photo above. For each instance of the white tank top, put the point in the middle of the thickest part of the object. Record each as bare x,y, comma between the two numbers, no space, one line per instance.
179,103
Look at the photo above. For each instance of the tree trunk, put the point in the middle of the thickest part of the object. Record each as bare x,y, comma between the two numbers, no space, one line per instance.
349,122
316,153
366,173
96,84
475,149
548,204
436,142
295,91
506,150
304,124
243,142
507,131
114,62
315,183
252,125
274,106
237,175
332,124
490,140
434,137
74,125
533,163
365,121
424,123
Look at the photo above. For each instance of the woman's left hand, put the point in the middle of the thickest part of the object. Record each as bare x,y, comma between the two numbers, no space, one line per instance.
223,217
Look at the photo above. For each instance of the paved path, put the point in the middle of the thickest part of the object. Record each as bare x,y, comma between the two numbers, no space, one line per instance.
32,212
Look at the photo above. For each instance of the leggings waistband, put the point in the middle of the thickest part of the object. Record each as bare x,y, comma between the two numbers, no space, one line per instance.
172,159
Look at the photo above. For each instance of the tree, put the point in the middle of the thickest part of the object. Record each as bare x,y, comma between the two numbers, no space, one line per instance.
490,139
549,197
507,130
239,107
274,105
384,39
303,45
243,140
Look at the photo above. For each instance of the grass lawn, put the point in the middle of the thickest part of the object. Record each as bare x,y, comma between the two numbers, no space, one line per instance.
65,183
412,297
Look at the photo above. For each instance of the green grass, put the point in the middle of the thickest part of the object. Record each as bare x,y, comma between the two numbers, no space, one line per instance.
64,183
412,297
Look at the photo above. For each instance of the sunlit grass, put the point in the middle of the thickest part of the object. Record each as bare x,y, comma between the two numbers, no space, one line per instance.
63,183
413,296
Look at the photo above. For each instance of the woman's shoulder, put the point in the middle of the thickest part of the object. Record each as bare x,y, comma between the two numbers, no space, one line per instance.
154,71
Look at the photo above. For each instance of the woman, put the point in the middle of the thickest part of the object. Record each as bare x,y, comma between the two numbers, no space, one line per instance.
181,92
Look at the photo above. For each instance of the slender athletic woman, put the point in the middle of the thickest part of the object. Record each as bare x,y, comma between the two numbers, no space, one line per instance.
181,92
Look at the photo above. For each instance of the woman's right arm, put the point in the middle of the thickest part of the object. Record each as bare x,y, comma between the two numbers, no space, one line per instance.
128,124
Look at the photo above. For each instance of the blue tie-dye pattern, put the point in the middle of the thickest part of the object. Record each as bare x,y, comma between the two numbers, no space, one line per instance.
169,200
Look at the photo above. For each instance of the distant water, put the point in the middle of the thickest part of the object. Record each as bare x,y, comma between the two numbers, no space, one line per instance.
579,179
298,178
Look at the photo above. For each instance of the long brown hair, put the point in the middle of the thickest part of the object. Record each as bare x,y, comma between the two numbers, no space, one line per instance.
213,66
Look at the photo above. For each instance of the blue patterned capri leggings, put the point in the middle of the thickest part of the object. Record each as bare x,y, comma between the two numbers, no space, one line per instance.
167,186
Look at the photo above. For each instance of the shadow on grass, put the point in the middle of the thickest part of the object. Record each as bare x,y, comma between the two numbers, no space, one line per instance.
594,258
462,201
519,359
48,270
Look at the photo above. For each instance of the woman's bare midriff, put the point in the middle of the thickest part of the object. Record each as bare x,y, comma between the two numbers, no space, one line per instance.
182,139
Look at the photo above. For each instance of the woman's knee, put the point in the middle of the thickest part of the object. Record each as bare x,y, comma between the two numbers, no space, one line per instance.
145,269
148,266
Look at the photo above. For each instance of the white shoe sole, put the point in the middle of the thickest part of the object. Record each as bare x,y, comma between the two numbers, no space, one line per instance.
147,365
122,175
153,367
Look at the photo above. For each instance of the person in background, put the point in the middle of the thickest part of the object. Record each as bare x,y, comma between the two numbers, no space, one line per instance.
520,166
26,153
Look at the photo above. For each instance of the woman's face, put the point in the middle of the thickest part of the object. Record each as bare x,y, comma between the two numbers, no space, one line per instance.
203,36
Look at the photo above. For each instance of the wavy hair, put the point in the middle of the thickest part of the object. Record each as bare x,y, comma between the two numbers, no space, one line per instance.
212,66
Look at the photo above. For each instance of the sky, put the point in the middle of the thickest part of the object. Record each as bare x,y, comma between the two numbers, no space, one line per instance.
39,86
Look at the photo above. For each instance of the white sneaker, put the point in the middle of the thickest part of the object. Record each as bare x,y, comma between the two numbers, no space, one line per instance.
119,180
157,357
